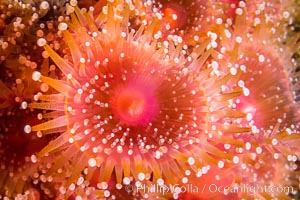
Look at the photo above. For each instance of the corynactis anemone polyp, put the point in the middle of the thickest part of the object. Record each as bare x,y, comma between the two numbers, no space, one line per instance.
187,19
268,160
269,106
23,23
268,71
131,107
16,145
271,101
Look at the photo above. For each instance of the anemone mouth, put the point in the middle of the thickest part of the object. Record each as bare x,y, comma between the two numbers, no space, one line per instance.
134,104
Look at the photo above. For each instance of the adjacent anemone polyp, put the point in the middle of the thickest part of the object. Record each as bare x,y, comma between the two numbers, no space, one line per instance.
271,101
187,19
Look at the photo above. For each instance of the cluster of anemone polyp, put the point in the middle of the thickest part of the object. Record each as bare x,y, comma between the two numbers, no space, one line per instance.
149,99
